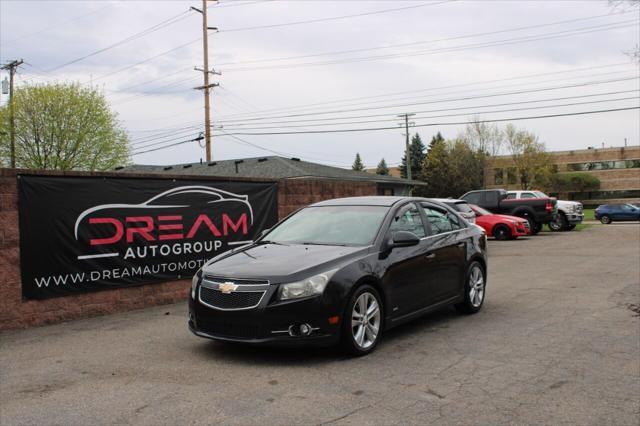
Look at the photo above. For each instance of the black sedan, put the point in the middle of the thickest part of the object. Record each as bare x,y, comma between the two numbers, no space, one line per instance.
344,271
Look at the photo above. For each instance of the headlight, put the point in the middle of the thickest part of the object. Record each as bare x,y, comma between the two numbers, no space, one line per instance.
308,287
194,283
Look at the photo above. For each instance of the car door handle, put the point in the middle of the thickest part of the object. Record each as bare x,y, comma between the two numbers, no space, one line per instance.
431,256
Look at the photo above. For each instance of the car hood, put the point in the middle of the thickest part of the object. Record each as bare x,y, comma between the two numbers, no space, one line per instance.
507,217
280,263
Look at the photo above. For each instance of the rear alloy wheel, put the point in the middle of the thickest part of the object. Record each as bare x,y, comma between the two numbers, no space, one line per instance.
501,233
605,219
571,227
362,325
474,290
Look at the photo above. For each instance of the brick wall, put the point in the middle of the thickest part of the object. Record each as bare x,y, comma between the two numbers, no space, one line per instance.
16,313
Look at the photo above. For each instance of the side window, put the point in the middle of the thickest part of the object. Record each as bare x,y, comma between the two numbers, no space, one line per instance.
511,196
408,219
473,198
440,220
491,198
527,195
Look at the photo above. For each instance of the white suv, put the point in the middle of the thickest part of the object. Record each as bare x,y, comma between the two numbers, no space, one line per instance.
569,212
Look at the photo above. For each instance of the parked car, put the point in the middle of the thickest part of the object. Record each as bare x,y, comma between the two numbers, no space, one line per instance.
608,213
500,226
344,271
569,212
461,206
538,211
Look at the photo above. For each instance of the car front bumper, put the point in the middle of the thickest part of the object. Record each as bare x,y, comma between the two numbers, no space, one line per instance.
268,323
575,218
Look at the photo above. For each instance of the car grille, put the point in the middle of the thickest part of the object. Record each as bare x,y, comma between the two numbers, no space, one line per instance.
579,208
232,330
230,301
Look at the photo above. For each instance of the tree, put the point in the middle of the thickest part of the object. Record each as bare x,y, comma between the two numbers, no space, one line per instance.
64,127
466,167
484,137
575,182
533,163
357,164
436,169
382,168
417,156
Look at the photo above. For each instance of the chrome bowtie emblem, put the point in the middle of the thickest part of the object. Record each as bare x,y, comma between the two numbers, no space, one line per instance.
227,287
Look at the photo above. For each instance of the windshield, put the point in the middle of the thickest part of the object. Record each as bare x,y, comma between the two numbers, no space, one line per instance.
540,194
331,225
480,211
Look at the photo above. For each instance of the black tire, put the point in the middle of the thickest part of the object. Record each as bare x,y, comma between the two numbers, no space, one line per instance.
467,306
571,227
531,220
348,341
536,228
501,232
559,224
605,219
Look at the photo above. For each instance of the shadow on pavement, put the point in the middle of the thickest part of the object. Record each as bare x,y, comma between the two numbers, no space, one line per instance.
301,356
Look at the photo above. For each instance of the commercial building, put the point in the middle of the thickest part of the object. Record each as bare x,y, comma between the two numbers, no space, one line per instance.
618,170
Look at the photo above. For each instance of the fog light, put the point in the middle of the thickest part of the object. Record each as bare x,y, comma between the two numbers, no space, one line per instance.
305,329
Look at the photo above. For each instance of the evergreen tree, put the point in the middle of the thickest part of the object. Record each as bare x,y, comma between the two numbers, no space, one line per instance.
382,168
357,164
435,169
417,156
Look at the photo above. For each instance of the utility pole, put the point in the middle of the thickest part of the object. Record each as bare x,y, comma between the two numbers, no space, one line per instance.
407,153
12,67
206,87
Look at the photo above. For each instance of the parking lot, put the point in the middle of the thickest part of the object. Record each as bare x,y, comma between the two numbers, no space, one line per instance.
557,342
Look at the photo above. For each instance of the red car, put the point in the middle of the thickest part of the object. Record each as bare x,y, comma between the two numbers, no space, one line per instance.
501,226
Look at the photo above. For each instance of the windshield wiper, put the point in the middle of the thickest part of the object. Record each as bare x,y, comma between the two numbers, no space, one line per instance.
323,244
271,242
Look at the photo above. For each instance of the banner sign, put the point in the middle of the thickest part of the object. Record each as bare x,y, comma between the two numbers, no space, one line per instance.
82,234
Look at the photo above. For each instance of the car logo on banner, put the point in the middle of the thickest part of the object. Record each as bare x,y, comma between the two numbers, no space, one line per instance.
227,288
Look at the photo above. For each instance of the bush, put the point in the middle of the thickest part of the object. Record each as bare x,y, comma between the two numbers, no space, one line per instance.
575,182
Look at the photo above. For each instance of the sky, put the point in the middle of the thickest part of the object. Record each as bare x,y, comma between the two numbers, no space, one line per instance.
302,68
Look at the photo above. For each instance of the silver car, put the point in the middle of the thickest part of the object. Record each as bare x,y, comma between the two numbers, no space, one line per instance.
461,206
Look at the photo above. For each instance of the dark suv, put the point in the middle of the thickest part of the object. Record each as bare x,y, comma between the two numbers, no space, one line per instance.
342,270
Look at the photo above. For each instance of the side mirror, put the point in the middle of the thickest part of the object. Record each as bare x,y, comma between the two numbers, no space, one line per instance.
405,239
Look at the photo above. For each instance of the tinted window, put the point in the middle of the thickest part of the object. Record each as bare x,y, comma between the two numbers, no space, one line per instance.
441,220
331,225
511,196
491,197
408,219
473,198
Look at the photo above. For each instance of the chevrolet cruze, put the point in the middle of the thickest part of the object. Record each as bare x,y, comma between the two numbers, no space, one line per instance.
342,271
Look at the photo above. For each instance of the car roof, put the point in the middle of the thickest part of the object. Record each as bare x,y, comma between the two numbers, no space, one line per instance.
380,200
449,200
362,201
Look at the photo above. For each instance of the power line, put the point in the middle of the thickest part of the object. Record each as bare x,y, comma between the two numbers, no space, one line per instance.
341,52
464,98
430,89
273,25
370,129
334,18
132,37
66,21
503,42
464,108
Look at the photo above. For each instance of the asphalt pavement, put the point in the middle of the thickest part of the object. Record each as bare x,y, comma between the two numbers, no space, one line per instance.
557,342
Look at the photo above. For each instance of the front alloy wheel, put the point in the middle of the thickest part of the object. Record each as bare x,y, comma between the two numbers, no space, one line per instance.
605,219
474,290
363,322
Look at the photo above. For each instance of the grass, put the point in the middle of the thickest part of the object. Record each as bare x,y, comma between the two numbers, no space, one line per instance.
589,214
